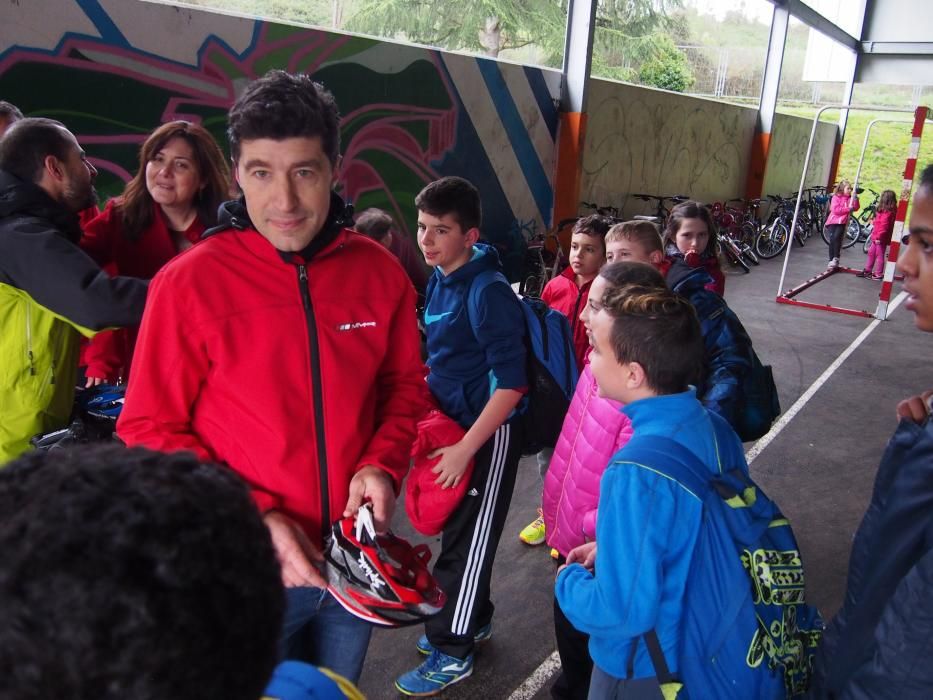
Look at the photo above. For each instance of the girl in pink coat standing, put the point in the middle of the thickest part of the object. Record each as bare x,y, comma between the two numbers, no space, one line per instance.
594,430
881,229
842,204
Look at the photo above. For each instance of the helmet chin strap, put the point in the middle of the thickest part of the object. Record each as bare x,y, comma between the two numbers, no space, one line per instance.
364,521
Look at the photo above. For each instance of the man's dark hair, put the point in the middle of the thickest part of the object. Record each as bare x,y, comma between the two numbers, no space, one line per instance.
127,573
26,144
452,195
374,223
10,111
926,177
659,330
282,105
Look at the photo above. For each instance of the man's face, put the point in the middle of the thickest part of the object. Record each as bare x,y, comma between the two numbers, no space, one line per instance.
287,185
78,193
916,262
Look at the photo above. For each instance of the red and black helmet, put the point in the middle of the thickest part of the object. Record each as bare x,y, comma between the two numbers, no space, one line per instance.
380,578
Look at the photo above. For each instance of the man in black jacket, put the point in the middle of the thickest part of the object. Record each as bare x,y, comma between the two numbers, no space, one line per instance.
50,291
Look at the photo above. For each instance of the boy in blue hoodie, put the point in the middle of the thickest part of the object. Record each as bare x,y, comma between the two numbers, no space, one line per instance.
476,357
647,351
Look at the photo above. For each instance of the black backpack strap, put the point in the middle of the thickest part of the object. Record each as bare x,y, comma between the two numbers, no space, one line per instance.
661,669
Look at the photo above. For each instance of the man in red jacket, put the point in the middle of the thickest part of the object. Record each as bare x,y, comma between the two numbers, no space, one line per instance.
286,347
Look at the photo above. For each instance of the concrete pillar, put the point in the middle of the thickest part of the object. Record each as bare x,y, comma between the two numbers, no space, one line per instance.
767,103
578,56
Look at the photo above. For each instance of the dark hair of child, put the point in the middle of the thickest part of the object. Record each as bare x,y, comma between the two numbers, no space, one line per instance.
452,195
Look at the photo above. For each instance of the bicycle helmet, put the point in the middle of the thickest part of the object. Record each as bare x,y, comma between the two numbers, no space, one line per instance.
103,402
380,578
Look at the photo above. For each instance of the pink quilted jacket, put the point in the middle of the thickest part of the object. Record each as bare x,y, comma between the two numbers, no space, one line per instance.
593,431
839,209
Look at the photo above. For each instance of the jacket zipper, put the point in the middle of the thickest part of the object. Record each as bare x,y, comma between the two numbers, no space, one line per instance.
29,355
318,395
576,315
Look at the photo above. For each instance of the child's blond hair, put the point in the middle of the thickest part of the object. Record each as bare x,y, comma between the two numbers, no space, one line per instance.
644,233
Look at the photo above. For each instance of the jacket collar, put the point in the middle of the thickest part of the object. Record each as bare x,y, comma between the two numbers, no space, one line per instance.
21,198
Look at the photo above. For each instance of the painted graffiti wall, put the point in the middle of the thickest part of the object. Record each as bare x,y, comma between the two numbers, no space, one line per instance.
113,70
789,139
657,142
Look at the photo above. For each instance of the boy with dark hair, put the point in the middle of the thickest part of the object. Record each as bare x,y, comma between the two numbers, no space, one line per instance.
9,113
170,589
283,294
476,356
647,351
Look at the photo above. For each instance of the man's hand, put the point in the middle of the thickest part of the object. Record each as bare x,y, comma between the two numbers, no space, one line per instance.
296,554
584,554
453,465
372,484
915,408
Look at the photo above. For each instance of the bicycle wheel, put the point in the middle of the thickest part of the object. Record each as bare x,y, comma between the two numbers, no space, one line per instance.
867,244
771,241
853,232
749,254
733,253
748,233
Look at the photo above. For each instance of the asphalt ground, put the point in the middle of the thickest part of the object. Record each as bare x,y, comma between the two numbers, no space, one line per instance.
819,468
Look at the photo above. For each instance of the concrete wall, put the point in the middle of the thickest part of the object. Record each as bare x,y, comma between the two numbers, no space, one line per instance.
113,70
657,142
789,140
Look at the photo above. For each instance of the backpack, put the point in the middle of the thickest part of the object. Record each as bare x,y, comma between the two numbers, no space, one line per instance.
747,631
760,403
551,364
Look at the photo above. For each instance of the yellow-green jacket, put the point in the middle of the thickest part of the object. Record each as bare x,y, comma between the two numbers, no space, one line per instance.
51,292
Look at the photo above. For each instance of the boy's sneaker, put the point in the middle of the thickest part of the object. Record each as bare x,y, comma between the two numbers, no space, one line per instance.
436,673
483,634
833,264
533,534
555,555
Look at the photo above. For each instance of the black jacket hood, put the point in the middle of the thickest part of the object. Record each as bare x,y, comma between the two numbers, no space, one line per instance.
25,199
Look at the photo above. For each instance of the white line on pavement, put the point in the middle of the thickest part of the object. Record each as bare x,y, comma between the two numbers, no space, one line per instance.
788,416
536,680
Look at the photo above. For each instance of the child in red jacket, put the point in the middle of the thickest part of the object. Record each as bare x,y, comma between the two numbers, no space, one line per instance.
568,291
690,235
881,229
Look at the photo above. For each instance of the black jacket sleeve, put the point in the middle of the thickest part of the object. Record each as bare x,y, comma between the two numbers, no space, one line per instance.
59,276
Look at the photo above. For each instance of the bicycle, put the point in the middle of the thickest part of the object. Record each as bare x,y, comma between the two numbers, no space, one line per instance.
544,260
661,212
776,234
731,237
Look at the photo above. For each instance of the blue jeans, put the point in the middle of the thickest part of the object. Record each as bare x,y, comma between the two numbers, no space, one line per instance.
317,630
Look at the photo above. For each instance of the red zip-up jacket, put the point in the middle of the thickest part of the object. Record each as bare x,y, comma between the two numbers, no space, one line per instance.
295,374
562,294
108,354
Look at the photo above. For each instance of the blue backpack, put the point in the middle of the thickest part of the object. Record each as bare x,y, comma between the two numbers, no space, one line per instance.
747,630
551,364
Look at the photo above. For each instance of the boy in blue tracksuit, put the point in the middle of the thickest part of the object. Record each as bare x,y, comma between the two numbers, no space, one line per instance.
647,350
476,357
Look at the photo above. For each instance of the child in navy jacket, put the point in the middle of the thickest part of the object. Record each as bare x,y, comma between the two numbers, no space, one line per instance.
476,358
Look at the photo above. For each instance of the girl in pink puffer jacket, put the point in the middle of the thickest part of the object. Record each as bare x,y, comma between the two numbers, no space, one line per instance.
593,431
